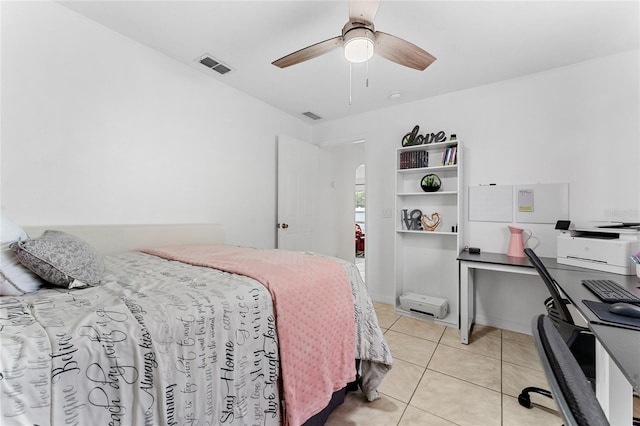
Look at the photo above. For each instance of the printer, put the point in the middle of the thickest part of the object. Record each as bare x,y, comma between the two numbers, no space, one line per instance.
605,247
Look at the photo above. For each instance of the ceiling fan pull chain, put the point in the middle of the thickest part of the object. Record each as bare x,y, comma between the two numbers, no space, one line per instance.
350,78
366,80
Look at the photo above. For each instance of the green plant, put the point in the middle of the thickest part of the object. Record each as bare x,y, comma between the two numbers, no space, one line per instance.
430,181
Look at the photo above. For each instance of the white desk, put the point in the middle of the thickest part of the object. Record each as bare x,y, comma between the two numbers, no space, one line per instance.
469,263
616,373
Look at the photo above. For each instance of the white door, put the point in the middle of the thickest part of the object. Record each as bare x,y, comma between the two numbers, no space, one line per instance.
297,183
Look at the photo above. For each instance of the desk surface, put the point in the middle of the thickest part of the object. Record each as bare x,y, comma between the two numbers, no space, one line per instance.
496,259
626,346
503,259
570,281
565,275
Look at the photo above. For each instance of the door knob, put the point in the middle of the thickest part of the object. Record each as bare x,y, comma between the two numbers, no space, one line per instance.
283,225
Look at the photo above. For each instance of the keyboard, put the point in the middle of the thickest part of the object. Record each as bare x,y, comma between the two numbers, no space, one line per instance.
610,292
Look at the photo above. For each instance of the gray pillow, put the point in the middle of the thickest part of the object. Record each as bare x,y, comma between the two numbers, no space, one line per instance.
61,259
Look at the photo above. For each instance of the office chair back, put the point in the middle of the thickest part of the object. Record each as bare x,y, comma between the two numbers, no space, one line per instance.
571,390
580,340
556,306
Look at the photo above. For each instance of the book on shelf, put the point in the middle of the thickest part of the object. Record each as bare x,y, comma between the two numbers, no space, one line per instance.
414,159
449,156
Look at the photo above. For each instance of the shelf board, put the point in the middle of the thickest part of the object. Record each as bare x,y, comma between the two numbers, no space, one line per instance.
429,146
403,194
404,231
429,169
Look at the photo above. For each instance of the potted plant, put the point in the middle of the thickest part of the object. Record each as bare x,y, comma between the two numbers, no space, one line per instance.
430,183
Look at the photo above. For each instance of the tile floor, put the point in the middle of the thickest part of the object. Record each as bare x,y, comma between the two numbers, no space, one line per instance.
436,380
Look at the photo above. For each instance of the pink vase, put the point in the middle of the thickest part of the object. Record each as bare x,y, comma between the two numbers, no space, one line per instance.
516,242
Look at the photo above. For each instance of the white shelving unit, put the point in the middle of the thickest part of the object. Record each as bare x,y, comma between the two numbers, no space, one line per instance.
425,261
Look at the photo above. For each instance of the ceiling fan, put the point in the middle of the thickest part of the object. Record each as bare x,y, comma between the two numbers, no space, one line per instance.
361,41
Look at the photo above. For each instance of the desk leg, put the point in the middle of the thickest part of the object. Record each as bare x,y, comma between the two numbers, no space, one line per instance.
613,390
466,301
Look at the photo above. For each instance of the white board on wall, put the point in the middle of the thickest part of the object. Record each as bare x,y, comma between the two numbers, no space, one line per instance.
542,203
491,203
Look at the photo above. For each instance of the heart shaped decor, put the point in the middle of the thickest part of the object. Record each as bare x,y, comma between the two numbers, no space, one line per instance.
430,223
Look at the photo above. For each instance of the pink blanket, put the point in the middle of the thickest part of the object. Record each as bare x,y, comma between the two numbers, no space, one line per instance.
314,317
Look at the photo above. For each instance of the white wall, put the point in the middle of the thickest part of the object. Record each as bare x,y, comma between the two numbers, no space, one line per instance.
577,124
98,129
338,166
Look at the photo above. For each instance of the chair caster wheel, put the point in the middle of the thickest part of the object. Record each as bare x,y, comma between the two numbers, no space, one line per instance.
525,400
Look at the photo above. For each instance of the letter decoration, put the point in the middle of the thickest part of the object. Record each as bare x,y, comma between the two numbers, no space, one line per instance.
413,138
435,137
412,221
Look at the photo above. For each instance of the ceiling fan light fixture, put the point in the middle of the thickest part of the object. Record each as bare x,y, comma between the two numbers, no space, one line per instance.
358,45
360,41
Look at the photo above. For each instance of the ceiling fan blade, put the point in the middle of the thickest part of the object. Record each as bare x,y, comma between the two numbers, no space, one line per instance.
309,52
363,10
402,52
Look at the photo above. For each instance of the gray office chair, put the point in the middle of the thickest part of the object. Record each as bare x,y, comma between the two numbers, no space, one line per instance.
571,390
580,340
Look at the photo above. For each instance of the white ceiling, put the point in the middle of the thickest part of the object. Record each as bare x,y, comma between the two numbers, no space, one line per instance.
475,43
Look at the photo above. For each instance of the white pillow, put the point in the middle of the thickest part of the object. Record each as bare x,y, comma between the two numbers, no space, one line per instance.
10,232
15,279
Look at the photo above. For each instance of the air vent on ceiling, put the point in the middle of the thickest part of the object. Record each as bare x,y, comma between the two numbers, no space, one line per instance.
312,115
209,62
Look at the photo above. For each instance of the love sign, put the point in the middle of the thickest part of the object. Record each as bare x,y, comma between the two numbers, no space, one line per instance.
412,220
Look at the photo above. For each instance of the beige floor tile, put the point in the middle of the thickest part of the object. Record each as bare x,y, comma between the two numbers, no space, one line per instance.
401,380
515,415
485,342
415,417
458,401
357,411
486,330
464,365
378,306
516,377
419,328
520,337
386,318
409,348
521,353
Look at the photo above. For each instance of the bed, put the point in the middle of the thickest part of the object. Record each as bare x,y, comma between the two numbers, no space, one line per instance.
190,331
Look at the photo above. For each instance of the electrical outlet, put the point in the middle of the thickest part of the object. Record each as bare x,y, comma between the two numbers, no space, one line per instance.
386,213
